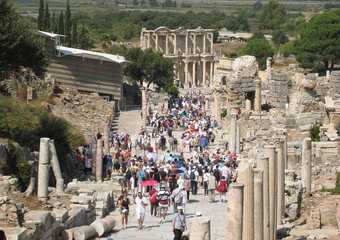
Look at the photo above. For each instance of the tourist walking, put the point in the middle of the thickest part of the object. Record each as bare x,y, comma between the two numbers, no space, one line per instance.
123,204
222,189
179,223
211,186
153,201
141,204
177,198
163,197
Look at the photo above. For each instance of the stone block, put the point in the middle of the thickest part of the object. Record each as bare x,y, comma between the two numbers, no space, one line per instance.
16,233
314,219
328,214
61,215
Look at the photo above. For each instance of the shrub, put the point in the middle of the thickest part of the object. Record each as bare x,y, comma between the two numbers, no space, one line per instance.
315,133
224,113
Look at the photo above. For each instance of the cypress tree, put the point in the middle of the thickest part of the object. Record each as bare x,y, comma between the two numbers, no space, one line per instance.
47,18
74,33
54,23
41,15
61,24
68,23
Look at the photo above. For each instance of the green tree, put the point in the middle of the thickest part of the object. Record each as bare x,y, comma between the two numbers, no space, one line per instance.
135,2
19,45
68,23
147,68
41,15
47,18
279,37
259,47
74,33
84,40
318,44
272,15
153,3
61,23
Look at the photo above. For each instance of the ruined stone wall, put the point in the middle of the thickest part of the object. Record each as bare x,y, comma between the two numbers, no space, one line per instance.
278,89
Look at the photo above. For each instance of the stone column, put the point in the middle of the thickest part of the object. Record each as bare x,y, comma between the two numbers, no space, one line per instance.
175,44
167,44
211,73
204,43
106,138
248,105
194,84
257,105
204,72
270,150
307,165
200,228
280,181
232,132
149,41
246,177
187,43
186,74
269,69
99,161
258,205
195,46
156,42
235,212
262,163
211,43
238,136
56,168
43,169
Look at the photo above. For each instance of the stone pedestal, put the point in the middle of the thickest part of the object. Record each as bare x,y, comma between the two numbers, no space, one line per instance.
99,160
263,164
235,212
307,165
270,150
200,229
43,169
56,168
258,205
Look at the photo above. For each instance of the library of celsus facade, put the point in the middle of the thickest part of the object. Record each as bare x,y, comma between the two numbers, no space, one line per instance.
191,48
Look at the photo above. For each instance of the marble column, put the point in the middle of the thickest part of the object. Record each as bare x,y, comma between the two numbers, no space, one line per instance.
211,73
258,205
43,169
262,163
186,74
211,43
149,41
167,44
235,212
156,42
187,44
248,105
307,165
232,132
280,181
194,84
195,46
204,72
238,136
204,43
270,150
257,105
246,177
175,44
99,161
56,168
200,228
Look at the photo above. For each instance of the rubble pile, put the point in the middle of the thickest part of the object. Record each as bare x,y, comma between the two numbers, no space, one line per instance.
87,112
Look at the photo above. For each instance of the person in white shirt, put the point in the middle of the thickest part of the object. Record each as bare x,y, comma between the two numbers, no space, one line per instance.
141,204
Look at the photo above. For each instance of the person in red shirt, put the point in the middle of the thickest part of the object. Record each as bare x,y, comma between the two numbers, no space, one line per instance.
222,188
153,201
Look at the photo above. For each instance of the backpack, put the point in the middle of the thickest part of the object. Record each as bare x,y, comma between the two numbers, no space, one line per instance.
192,176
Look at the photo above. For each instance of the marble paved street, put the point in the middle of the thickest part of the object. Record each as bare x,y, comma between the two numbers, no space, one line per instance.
154,231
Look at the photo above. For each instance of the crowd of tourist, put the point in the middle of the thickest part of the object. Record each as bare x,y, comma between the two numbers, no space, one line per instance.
169,161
